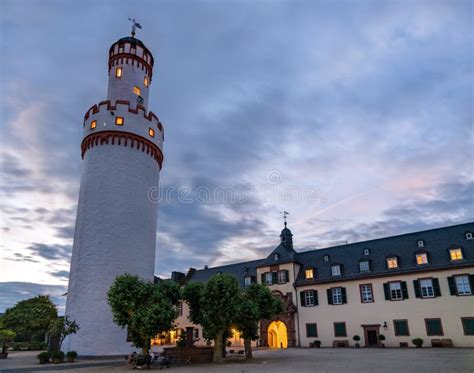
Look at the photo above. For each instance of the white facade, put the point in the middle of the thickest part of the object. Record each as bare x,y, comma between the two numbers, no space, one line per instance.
116,218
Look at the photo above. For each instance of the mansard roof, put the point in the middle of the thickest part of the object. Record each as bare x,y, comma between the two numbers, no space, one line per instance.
436,242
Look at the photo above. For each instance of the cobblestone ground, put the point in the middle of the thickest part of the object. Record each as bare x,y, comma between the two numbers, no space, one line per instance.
290,360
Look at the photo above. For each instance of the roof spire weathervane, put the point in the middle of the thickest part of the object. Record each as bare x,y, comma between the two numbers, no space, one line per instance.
135,25
285,213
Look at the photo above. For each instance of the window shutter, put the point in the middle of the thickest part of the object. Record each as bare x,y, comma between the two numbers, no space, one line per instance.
416,285
471,283
344,295
404,289
302,298
274,277
287,276
315,295
436,288
329,292
386,290
452,286
263,278
341,266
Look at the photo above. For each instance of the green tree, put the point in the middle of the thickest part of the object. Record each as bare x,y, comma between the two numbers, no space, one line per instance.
30,317
215,306
62,327
144,308
6,335
257,303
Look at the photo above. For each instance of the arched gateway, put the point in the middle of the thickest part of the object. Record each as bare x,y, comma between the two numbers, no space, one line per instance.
277,335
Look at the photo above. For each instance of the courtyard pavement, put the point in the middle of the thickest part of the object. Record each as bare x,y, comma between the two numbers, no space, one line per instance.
290,360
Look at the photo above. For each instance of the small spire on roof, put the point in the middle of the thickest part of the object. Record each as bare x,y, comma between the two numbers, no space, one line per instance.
135,25
285,213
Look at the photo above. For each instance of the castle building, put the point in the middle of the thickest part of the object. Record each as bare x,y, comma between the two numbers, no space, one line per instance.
416,285
116,219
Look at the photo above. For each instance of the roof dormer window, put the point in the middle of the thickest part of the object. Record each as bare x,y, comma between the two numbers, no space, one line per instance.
335,270
309,274
469,236
326,258
366,252
421,243
276,257
455,254
422,258
364,266
392,262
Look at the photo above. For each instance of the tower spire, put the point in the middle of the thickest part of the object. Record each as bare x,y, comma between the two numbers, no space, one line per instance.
135,25
284,213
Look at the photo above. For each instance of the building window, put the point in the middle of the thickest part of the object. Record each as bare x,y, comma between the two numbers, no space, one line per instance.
196,333
309,274
119,121
118,72
326,258
422,258
336,296
282,277
455,254
247,280
137,90
392,262
401,328
364,266
433,327
276,257
340,329
309,298
469,236
468,325
311,330
146,82
366,252
463,287
396,291
180,309
269,278
366,293
421,243
93,124
151,132
336,270
426,287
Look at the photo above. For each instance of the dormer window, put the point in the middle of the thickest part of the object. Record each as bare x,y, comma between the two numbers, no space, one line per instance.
364,266
421,243
421,258
276,257
247,280
366,252
309,274
118,72
392,262
335,270
326,258
469,236
456,254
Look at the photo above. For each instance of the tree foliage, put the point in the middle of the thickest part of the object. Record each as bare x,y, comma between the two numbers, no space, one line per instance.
31,316
62,327
144,308
257,303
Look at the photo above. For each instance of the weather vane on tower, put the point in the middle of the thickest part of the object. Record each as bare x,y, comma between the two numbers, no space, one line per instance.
135,25
285,213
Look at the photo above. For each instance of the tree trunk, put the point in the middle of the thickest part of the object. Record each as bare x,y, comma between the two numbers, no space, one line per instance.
248,348
218,343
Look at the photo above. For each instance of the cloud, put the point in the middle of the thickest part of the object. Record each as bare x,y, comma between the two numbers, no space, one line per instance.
51,252
61,274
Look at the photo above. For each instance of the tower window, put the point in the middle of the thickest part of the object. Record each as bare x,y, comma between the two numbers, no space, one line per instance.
146,81
137,90
93,124
118,72
151,132
119,121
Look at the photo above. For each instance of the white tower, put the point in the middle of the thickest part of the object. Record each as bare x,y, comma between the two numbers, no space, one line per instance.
116,220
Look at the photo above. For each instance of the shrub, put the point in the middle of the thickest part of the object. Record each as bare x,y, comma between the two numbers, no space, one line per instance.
317,343
418,342
356,338
58,357
381,337
71,356
43,357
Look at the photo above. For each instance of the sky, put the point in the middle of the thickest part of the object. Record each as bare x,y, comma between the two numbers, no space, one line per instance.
354,116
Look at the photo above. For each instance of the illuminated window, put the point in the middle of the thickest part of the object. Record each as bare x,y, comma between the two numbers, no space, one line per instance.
137,90
119,121
93,124
422,258
455,254
392,263
151,132
118,72
309,274
146,81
